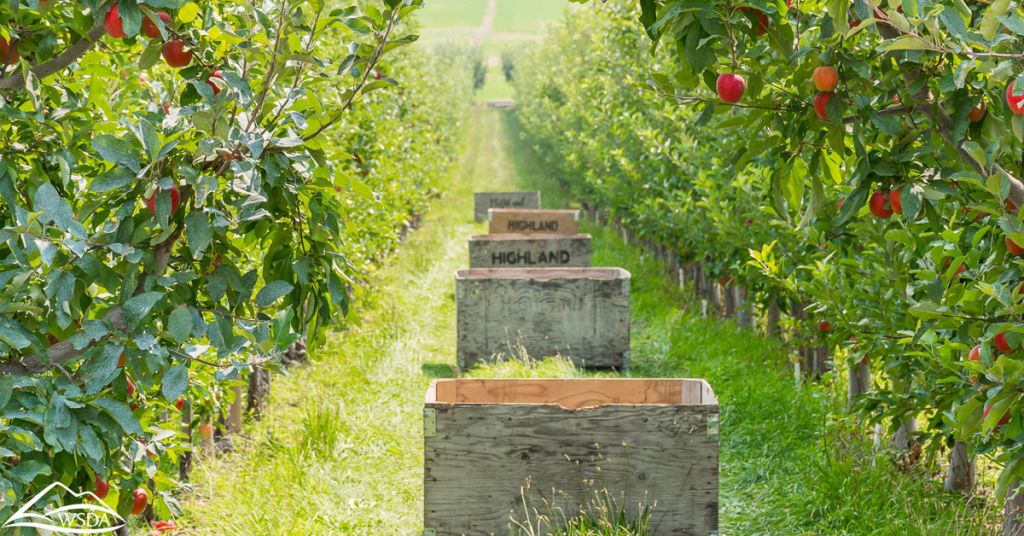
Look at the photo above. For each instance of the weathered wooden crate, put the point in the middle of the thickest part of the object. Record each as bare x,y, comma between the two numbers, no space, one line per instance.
579,313
533,221
482,201
530,251
496,449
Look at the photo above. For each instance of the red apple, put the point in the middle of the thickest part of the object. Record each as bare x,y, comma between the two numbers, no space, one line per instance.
102,488
131,387
1001,343
113,23
975,354
977,113
762,23
120,361
180,403
1012,247
140,498
877,204
1016,102
826,78
895,202
218,75
150,28
175,201
1005,419
8,52
820,102
825,325
730,87
176,54
206,430
164,526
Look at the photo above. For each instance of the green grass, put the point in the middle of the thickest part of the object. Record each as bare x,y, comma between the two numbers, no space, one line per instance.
340,449
515,22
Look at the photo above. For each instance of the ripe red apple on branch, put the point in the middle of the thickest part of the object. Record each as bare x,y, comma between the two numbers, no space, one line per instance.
102,488
820,102
218,74
175,201
113,23
1001,344
1015,102
8,52
730,87
176,53
1012,247
974,354
826,78
879,204
150,28
140,498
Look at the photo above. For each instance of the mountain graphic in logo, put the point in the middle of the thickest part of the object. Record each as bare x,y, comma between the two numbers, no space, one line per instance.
94,517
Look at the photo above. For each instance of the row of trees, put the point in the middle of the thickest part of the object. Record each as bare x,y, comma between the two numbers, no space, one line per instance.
854,165
187,188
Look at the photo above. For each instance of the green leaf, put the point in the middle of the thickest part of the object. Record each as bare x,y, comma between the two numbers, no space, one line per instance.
116,150
908,42
54,207
27,471
174,382
270,293
179,324
121,414
197,233
139,306
188,12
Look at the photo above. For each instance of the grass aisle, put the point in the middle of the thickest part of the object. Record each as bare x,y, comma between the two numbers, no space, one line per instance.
340,450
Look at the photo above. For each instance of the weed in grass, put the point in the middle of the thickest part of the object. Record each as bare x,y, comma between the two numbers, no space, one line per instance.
601,513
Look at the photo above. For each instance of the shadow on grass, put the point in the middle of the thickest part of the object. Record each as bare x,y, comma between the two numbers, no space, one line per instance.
439,370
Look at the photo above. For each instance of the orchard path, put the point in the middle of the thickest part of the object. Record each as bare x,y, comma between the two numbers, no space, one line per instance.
340,450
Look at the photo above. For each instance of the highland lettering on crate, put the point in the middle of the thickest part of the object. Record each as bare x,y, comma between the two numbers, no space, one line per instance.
579,313
482,201
518,250
533,221
492,445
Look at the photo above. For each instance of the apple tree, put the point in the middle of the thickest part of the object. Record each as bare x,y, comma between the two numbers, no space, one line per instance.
171,207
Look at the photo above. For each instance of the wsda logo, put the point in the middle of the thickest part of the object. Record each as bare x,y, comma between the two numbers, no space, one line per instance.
94,517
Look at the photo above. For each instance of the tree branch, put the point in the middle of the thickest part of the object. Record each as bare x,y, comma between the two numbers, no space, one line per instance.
69,56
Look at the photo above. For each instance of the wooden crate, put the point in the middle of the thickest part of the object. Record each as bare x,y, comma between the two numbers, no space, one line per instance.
491,445
530,251
533,221
579,313
482,201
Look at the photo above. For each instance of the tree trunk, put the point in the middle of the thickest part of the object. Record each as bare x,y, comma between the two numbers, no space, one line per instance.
729,300
744,309
821,360
714,300
859,383
259,391
1013,524
774,317
962,471
700,281
185,461
235,411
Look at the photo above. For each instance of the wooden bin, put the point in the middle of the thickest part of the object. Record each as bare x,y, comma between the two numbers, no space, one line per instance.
529,251
493,445
533,221
579,313
482,201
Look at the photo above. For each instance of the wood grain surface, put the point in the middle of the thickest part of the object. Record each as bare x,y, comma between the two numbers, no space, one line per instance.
485,460
482,201
519,250
533,221
578,313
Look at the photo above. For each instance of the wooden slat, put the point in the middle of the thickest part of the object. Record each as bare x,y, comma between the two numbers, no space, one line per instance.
572,393
483,201
485,458
529,251
578,313
534,221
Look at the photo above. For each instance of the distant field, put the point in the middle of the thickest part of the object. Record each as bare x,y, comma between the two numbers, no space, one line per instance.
515,22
